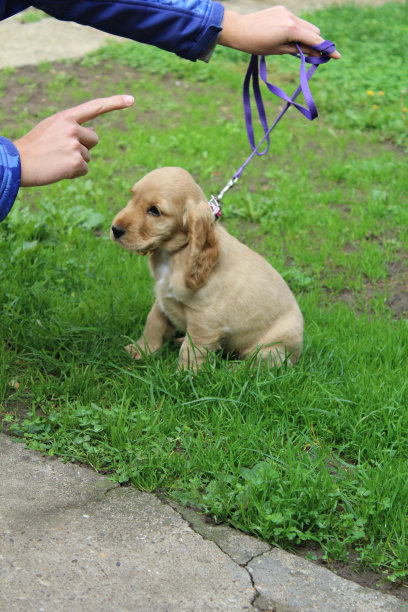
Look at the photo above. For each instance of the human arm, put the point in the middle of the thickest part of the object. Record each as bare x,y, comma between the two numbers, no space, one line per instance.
185,27
55,149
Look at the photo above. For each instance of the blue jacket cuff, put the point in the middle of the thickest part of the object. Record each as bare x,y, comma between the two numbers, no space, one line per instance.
10,176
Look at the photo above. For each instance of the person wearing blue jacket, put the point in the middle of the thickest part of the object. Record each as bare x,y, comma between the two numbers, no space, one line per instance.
58,147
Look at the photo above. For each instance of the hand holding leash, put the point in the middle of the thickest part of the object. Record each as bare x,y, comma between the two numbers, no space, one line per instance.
273,31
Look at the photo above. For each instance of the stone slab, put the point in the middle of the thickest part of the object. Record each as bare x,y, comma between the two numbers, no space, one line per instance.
91,547
287,583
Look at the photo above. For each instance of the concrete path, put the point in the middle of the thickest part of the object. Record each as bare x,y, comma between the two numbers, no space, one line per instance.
73,540
47,40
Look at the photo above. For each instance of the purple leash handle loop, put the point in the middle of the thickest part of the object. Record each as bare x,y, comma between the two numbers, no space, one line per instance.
310,111
254,71
252,75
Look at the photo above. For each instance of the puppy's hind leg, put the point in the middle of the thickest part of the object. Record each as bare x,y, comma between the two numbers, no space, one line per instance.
282,343
157,329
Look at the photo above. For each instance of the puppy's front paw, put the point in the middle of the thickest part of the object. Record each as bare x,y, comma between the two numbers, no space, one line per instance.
133,351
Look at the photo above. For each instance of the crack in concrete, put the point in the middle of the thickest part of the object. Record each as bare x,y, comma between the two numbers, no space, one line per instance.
248,570
257,594
197,522
277,576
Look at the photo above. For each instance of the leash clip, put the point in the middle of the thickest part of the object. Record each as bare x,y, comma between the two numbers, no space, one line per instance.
214,201
215,206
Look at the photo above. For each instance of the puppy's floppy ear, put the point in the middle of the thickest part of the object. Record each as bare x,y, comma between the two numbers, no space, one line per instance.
204,248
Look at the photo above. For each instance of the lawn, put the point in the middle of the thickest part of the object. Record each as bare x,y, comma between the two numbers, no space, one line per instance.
313,454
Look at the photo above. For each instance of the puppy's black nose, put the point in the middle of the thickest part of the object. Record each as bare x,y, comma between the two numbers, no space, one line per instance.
118,231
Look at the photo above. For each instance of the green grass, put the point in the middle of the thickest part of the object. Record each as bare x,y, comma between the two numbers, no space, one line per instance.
315,453
32,15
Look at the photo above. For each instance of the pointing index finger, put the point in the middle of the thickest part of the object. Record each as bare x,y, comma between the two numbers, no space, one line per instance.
93,108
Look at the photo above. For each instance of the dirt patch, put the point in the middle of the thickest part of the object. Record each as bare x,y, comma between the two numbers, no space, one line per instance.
395,287
398,283
30,90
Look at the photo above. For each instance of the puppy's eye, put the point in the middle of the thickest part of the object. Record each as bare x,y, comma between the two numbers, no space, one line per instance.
153,210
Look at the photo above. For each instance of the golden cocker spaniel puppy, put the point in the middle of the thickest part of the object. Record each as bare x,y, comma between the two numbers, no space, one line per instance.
209,285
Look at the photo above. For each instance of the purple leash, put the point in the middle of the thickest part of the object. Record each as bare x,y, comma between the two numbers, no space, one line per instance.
256,68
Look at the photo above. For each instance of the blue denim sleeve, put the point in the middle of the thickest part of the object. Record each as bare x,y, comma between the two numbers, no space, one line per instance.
11,7
184,27
10,176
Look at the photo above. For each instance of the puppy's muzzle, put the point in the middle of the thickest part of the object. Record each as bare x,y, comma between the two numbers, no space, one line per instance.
118,232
